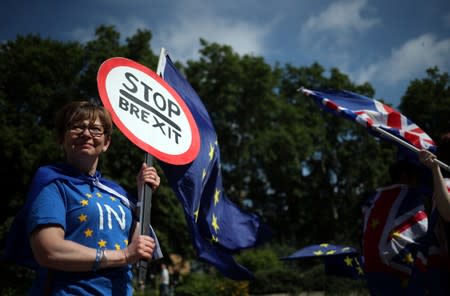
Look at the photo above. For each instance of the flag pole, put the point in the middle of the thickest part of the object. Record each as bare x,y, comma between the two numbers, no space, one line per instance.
408,145
144,218
146,198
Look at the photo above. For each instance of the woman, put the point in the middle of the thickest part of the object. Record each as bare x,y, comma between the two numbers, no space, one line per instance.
81,226
438,257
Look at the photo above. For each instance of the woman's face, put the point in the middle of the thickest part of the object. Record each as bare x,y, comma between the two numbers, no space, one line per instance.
85,139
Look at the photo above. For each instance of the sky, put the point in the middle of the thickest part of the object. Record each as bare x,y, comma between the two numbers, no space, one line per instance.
387,43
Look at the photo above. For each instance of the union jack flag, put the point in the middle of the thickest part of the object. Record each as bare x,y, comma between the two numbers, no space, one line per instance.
395,226
371,113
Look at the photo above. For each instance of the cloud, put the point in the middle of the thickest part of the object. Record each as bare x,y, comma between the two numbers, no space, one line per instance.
126,27
181,26
410,60
339,22
183,37
217,22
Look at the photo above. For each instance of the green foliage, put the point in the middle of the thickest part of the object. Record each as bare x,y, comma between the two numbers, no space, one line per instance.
427,102
197,284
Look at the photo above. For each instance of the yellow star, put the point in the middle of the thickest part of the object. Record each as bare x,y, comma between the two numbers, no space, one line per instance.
88,195
348,261
318,253
82,218
374,223
211,151
324,245
99,194
126,242
214,239
408,258
395,234
360,270
112,198
117,246
214,223
345,248
88,232
102,243
196,215
84,202
331,252
216,197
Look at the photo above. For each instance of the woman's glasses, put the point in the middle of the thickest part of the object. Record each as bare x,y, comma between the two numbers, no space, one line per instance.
95,130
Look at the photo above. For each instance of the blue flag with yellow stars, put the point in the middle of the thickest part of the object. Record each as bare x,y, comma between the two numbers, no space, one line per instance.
342,261
218,227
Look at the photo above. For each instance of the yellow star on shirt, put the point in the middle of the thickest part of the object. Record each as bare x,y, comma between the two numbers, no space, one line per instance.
88,232
112,198
214,239
88,195
324,245
318,253
84,202
117,246
331,252
126,242
99,194
82,218
102,243
214,223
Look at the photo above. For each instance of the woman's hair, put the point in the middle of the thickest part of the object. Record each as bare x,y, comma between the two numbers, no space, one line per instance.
77,111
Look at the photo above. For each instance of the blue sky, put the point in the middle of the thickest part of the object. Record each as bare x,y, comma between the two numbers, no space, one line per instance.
385,42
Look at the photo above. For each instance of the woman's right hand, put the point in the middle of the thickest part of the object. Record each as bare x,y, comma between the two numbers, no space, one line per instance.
141,247
428,159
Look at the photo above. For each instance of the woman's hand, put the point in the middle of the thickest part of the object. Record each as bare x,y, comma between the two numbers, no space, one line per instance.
147,175
141,247
428,159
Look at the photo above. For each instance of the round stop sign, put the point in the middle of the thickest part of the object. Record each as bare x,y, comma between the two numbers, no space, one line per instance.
148,111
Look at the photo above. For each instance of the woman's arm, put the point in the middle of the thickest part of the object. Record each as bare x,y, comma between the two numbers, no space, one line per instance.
51,250
441,194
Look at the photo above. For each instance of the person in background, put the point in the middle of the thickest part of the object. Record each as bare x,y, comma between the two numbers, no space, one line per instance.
441,178
395,223
82,227
439,265
164,281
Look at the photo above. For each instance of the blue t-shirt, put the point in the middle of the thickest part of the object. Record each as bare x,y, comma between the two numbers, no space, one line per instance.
89,216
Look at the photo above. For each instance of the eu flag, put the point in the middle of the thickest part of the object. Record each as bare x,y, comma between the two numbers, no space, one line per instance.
343,261
218,227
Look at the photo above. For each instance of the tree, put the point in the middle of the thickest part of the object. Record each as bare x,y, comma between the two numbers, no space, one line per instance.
427,102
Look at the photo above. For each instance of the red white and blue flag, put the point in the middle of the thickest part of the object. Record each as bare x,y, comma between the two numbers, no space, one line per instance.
395,227
372,114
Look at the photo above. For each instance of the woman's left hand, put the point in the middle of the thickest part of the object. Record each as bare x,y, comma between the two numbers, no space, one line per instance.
148,175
